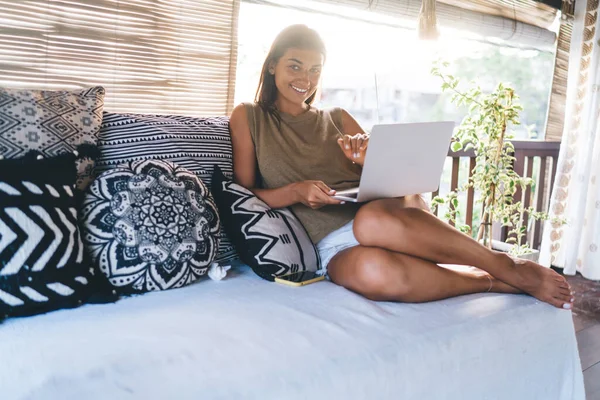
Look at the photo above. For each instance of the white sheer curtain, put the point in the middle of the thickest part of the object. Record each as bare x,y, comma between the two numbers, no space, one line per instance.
575,246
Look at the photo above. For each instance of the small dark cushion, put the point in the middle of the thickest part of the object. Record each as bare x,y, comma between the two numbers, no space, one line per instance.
42,264
150,225
271,241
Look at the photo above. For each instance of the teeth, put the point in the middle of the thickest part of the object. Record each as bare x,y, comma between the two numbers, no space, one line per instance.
299,90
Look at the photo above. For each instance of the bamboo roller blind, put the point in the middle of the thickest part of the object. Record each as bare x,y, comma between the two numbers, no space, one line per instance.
152,56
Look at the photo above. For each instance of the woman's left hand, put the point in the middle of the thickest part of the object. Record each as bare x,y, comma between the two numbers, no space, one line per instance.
355,147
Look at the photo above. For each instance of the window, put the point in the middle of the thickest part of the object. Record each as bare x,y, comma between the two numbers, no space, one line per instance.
151,56
380,72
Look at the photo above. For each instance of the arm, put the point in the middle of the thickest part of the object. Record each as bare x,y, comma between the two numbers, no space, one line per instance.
244,163
311,193
349,124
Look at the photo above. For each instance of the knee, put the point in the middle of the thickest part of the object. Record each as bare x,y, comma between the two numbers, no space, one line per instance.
378,218
416,201
367,222
378,278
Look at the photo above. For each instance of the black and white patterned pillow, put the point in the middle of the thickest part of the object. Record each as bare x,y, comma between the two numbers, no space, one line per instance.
150,225
271,241
51,122
42,264
193,143
85,164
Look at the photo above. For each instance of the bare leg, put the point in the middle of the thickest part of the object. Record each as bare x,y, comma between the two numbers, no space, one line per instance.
389,224
384,275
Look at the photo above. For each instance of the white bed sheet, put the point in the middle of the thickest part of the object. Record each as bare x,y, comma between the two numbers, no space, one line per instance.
245,338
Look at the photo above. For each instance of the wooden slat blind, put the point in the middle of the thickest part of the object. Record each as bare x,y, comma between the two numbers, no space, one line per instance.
558,95
152,56
493,21
527,11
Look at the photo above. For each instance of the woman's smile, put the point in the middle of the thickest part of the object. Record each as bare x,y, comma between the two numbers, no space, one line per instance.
299,89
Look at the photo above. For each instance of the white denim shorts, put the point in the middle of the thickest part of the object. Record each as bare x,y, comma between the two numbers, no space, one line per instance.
336,241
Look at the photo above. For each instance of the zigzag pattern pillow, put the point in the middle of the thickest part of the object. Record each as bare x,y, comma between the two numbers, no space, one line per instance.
272,242
41,252
51,122
196,144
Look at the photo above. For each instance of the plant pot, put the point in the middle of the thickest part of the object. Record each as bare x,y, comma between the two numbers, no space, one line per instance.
506,247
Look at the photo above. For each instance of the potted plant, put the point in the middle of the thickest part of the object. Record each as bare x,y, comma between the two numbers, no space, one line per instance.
487,130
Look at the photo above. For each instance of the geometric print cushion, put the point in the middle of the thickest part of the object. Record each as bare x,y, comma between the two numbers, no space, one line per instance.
85,164
51,122
150,225
41,253
197,144
272,242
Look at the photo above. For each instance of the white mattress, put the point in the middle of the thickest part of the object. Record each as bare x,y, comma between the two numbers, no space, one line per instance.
245,338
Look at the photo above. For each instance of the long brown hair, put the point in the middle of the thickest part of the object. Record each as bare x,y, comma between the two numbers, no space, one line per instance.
294,36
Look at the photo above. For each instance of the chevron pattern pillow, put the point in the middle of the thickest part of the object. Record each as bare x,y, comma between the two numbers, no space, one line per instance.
41,252
196,144
150,225
272,242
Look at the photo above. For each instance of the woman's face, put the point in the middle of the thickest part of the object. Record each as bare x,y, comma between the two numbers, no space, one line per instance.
297,75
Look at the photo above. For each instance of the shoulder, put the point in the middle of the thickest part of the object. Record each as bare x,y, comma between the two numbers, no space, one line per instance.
244,114
242,110
336,113
239,118
347,123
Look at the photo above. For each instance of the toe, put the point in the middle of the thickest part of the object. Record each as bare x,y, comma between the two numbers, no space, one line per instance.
564,298
559,303
563,302
560,279
565,292
564,285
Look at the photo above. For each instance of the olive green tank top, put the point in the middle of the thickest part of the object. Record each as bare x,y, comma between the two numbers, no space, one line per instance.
301,148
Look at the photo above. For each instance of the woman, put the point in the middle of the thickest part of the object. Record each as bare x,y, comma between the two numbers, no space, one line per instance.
293,155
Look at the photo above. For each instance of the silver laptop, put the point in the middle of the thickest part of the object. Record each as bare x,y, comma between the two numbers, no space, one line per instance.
402,159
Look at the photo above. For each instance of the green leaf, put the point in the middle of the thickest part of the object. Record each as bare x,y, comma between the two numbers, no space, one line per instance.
456,146
465,228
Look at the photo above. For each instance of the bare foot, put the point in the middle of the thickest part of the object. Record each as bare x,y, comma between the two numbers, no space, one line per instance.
540,282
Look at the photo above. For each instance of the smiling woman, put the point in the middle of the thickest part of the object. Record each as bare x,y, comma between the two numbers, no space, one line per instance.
289,154
292,67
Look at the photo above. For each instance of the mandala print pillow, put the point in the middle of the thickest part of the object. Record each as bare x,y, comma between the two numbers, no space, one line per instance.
150,225
195,143
272,242
42,264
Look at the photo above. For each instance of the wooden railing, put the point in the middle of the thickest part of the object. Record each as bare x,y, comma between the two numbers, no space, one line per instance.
534,159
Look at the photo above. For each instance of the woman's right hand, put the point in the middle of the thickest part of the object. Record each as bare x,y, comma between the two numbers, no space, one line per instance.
315,194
